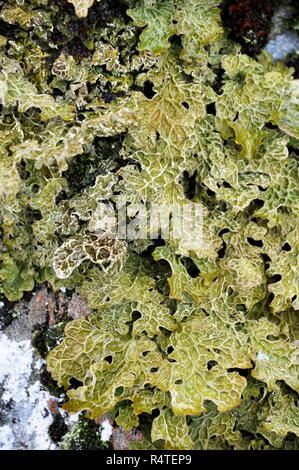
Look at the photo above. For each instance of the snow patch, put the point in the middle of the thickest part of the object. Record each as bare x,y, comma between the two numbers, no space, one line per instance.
70,418
106,430
6,438
23,401
282,45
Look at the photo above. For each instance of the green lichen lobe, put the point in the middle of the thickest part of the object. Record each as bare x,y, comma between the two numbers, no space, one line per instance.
150,104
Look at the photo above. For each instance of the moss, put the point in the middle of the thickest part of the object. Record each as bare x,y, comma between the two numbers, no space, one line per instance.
6,312
102,158
292,60
54,335
293,21
85,435
94,112
58,428
248,22
50,384
45,338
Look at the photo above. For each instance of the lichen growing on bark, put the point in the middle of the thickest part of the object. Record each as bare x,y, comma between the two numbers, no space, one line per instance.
149,103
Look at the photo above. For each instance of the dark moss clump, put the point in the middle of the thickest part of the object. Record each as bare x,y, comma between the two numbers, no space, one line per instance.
55,334
84,169
38,340
291,442
51,385
76,49
294,147
6,312
248,22
5,407
85,435
71,31
82,172
293,61
58,428
43,340
293,21
8,30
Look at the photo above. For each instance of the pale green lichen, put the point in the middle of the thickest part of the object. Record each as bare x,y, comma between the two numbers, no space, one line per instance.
204,330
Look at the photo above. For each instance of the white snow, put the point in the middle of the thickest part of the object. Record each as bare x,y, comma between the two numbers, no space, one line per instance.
106,430
6,438
70,418
282,45
28,419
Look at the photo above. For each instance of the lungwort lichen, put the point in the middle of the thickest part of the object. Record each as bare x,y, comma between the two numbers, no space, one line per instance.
148,104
